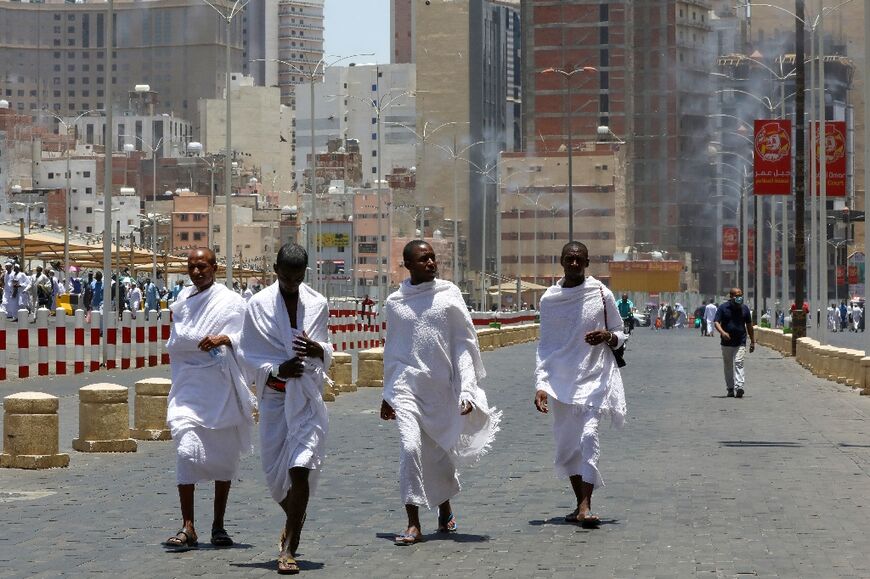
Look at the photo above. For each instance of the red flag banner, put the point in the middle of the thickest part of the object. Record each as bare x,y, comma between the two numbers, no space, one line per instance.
835,158
730,244
841,274
853,274
772,155
751,247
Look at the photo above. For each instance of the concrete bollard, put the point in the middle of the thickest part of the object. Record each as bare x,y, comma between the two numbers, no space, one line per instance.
341,372
371,368
484,339
149,410
104,420
30,432
855,376
865,373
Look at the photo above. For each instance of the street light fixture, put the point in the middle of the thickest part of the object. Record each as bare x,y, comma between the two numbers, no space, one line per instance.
227,15
568,75
316,70
67,201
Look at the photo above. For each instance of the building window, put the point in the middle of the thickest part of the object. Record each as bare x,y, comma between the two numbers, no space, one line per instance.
89,190
197,235
183,217
89,210
183,236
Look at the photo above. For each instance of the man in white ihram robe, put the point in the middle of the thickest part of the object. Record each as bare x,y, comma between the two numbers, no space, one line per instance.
577,376
286,351
210,407
432,372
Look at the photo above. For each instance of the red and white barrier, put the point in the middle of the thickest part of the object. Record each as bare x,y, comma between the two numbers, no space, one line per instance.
111,344
95,340
23,345
139,335
165,329
2,346
126,335
41,342
79,343
152,338
60,352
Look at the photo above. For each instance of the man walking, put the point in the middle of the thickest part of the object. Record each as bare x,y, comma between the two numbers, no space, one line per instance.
699,316
710,317
210,410
734,322
285,345
577,376
432,374
626,309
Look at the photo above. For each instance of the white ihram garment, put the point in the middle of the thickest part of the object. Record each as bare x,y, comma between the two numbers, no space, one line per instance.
432,364
210,408
710,317
293,424
584,380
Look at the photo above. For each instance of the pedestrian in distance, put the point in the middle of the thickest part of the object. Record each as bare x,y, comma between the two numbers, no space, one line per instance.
710,317
626,312
210,407
576,375
432,375
699,318
286,349
734,323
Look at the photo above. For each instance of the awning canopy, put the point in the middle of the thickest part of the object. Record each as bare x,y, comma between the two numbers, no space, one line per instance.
510,287
48,246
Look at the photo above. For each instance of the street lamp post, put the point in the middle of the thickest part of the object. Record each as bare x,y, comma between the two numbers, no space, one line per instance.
379,105
152,148
316,70
568,76
227,15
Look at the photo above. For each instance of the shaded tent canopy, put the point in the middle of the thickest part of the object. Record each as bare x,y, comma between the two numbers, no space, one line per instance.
46,247
510,287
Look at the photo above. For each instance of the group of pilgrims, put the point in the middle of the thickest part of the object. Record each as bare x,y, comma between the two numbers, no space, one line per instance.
270,354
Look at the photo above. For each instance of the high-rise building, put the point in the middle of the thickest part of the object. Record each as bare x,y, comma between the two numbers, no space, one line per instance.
468,82
300,44
54,54
402,31
343,110
644,72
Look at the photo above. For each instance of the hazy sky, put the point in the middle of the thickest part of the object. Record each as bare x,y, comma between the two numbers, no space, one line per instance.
358,26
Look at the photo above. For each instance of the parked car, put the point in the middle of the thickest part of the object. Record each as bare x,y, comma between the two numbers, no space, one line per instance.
641,320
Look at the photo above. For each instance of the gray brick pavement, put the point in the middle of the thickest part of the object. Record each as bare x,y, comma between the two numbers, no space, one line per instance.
774,485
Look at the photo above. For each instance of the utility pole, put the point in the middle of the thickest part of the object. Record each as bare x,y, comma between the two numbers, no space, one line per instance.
799,318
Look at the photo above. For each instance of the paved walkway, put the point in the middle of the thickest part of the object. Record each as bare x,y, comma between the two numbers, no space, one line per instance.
773,485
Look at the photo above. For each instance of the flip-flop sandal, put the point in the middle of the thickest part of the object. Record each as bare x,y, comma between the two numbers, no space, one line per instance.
572,517
406,539
287,565
447,524
183,539
220,538
590,521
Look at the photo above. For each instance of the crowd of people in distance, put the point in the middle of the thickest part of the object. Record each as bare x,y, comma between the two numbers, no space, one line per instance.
42,288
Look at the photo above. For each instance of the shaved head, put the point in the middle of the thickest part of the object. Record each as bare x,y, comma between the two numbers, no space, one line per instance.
205,253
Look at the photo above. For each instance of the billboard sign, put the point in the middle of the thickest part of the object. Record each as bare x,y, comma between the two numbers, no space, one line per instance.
835,158
772,155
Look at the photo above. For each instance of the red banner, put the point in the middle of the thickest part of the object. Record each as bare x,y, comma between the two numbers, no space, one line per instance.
841,275
835,158
730,244
778,264
853,274
772,155
751,234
